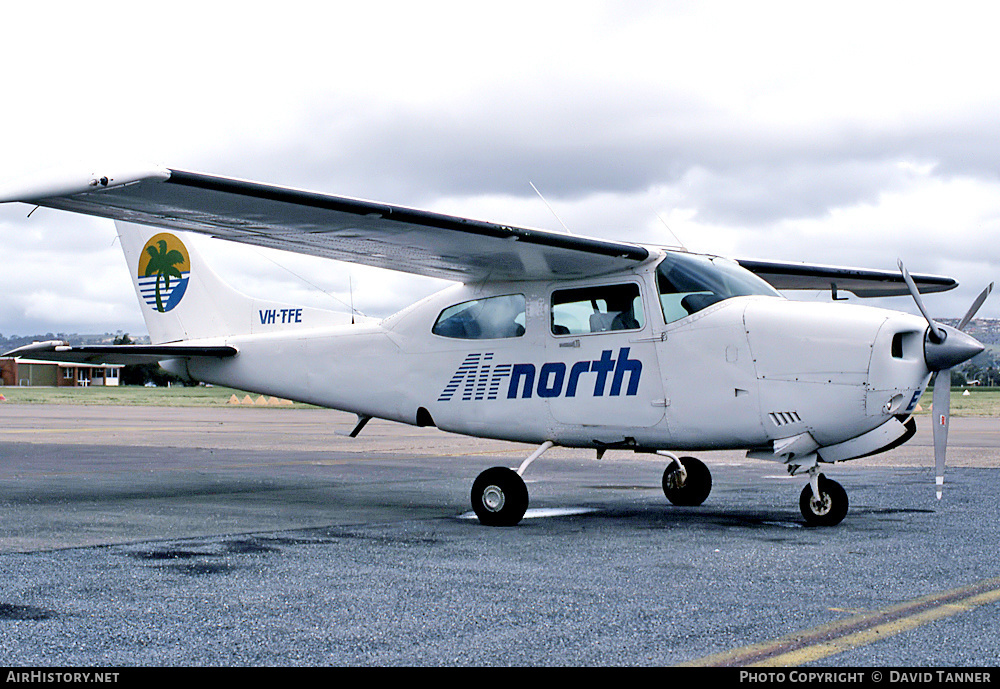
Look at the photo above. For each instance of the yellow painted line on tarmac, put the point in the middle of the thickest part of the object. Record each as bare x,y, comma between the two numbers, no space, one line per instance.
859,630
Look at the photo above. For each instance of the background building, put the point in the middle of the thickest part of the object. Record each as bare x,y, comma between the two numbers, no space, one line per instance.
27,372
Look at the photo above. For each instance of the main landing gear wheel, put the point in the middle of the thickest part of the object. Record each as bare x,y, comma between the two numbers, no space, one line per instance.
499,497
827,510
693,489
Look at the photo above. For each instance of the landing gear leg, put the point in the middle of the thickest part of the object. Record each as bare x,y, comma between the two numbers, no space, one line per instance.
687,481
499,494
823,502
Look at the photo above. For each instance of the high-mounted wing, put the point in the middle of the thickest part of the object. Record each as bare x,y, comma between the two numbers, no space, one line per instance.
861,282
336,227
392,237
57,350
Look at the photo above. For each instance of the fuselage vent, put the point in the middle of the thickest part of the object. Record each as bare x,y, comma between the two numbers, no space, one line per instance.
783,418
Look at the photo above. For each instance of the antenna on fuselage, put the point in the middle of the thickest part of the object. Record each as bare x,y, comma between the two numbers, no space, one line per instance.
314,285
549,207
672,234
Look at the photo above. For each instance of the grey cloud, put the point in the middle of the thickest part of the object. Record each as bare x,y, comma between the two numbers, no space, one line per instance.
759,194
581,142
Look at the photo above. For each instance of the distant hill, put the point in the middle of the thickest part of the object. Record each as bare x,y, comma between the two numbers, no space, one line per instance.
986,330
14,341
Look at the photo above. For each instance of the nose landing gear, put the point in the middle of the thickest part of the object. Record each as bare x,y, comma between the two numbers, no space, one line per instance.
823,502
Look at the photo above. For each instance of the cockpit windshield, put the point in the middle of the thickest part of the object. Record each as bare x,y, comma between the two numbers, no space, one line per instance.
689,283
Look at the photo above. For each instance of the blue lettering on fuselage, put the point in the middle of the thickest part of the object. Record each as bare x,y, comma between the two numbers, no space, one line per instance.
273,316
478,378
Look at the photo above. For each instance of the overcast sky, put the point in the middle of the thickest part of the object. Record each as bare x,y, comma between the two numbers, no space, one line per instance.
841,133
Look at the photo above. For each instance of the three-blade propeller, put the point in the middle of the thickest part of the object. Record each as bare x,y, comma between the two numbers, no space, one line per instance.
944,348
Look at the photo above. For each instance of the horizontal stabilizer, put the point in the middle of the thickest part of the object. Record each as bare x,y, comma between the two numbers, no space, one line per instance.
56,350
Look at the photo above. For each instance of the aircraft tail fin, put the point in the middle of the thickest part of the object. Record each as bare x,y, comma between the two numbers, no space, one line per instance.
182,298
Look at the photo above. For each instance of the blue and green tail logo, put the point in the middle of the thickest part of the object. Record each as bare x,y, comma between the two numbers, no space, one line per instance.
164,268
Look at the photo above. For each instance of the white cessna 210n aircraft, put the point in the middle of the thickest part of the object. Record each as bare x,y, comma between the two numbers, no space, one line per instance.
549,339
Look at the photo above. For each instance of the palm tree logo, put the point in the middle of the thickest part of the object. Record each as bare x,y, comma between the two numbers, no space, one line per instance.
164,267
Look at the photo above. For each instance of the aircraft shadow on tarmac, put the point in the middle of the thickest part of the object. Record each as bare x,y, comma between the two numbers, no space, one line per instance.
701,518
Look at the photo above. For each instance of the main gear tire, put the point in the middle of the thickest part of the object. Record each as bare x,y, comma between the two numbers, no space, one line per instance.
499,497
696,485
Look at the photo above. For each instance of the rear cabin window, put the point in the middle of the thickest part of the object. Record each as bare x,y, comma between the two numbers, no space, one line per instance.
483,319
597,309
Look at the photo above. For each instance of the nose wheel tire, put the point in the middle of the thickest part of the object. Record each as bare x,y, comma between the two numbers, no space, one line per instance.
829,509
499,497
695,486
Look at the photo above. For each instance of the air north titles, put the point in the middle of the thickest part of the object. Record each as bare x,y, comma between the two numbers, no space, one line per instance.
480,378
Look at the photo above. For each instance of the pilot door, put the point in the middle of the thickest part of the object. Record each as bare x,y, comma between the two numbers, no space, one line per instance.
601,367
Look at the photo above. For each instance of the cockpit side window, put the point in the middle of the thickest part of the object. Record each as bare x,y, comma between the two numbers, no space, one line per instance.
597,309
689,283
483,319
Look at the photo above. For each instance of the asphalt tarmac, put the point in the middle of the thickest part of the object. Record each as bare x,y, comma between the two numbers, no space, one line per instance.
144,536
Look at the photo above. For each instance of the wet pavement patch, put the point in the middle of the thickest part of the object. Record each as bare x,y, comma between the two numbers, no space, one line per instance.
334,535
249,546
10,611
169,554
196,569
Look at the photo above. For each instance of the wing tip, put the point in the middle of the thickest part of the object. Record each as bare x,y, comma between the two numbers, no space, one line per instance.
45,184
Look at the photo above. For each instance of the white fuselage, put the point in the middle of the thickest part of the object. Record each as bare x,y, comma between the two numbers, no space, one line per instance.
740,373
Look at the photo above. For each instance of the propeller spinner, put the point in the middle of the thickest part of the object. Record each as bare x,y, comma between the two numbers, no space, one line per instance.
944,348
